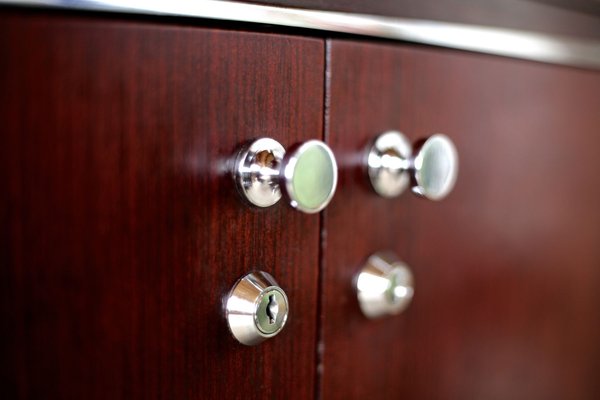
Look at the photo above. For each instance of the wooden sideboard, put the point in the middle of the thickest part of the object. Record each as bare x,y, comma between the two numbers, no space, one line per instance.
122,230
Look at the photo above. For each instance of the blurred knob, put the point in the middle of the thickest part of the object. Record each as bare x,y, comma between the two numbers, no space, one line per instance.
430,167
384,286
306,174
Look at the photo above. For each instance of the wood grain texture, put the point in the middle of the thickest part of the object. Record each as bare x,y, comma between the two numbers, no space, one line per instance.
120,230
506,268
571,18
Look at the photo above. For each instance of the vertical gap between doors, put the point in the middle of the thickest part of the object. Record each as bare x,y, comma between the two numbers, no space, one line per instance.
320,345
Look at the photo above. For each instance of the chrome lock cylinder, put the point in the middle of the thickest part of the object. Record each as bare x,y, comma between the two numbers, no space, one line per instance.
256,308
384,286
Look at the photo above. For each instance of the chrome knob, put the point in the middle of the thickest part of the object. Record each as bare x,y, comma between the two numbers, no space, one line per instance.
430,167
384,286
256,308
306,174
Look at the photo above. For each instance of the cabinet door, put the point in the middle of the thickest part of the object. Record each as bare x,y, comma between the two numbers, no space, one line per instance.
507,277
121,229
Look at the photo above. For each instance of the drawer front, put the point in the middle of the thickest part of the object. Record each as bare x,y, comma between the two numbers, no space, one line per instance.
506,268
122,231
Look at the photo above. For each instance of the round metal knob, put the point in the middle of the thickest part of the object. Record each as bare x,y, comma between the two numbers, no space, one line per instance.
256,308
430,167
384,286
306,174
387,161
434,167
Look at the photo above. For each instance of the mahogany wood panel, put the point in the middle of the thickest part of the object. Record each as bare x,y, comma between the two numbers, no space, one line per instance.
120,228
577,18
507,268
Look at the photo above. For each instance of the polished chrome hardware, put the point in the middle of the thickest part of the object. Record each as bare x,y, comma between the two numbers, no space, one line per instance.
306,174
384,286
256,308
537,46
430,167
387,161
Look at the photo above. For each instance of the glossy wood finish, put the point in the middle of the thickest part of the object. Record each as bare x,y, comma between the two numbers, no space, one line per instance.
120,229
360,357
506,268
576,18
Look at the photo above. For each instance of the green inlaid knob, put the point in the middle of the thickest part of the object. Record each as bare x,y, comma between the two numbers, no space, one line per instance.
307,174
310,175
430,167
435,167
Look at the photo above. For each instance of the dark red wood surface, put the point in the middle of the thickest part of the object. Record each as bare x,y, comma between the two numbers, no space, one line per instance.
120,232
507,268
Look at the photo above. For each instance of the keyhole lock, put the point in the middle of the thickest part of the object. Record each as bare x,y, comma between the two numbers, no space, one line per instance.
269,314
256,308
384,286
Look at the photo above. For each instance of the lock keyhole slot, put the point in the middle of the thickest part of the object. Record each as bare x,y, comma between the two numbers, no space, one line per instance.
272,309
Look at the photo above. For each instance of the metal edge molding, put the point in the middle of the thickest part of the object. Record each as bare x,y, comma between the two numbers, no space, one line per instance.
521,44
